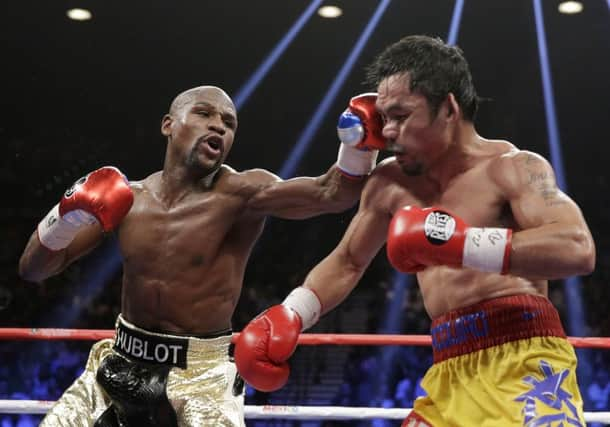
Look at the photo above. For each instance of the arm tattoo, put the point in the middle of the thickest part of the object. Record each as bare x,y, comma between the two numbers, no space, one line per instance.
543,182
535,177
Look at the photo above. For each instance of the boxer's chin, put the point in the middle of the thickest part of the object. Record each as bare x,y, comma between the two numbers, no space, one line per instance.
412,169
203,165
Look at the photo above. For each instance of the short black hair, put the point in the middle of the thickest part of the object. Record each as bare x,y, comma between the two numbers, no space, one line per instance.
435,69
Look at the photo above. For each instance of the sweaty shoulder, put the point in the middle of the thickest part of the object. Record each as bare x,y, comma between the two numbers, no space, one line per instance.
386,170
247,182
146,184
379,184
516,168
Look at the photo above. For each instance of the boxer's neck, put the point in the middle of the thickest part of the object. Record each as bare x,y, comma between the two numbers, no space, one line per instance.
176,183
459,156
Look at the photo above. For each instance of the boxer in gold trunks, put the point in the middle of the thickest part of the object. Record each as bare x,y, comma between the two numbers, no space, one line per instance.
483,225
185,234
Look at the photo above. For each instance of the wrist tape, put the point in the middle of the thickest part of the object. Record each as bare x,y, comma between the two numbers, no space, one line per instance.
306,304
487,249
356,162
55,232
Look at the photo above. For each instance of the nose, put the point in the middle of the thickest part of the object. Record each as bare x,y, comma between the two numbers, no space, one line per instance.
390,131
217,124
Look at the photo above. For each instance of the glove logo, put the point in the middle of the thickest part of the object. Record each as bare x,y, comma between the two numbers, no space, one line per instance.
439,227
52,220
70,191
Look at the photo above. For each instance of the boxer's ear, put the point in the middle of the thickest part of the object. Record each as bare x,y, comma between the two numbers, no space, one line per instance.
453,108
166,124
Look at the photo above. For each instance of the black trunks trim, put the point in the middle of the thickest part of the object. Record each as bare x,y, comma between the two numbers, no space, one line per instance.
150,348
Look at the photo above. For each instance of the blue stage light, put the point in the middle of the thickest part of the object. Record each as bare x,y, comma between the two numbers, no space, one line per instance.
289,167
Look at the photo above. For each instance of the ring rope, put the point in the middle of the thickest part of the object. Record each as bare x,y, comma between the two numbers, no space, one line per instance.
272,411
277,411
304,339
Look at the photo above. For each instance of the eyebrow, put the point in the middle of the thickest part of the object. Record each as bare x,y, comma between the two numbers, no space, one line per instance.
396,106
225,114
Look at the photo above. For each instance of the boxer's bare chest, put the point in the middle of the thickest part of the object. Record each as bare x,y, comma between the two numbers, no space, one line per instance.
190,233
473,196
470,195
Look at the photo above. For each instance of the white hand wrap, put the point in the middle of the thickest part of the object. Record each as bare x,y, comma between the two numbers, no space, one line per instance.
55,232
306,304
356,162
487,249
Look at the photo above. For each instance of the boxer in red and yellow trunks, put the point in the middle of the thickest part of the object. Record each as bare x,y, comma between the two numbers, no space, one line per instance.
482,224
507,355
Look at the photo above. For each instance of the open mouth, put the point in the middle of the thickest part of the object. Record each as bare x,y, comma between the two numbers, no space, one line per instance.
213,143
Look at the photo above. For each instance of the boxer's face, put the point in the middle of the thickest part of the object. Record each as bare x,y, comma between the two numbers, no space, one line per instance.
202,129
414,133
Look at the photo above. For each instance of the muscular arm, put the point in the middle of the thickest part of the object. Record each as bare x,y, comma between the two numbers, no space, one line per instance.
554,240
336,276
37,262
269,340
304,197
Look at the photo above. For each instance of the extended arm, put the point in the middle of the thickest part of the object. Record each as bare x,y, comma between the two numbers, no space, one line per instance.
305,197
333,279
338,189
268,341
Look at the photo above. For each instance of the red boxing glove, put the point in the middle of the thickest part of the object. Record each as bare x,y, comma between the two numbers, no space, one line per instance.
418,238
359,129
370,137
103,195
264,346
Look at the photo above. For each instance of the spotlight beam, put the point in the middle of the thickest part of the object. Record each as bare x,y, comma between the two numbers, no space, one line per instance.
456,18
289,167
243,94
571,285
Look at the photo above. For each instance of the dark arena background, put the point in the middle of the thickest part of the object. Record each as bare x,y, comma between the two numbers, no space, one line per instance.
78,94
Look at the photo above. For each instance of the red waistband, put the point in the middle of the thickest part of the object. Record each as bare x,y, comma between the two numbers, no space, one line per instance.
493,322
